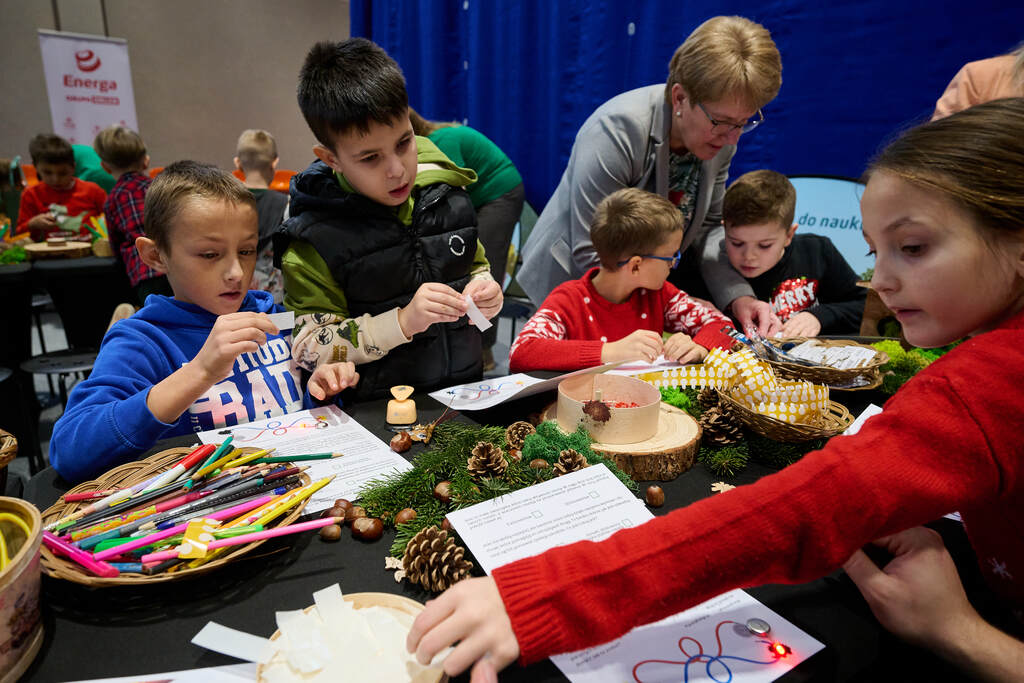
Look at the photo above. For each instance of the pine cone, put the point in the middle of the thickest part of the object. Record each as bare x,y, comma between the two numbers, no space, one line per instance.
569,460
487,460
515,435
433,560
720,427
707,398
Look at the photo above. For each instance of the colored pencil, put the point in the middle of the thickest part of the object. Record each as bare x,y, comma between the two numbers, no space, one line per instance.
249,538
245,459
227,513
185,463
297,458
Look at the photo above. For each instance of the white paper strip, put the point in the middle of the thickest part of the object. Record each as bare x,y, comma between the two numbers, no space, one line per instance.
232,643
285,320
478,318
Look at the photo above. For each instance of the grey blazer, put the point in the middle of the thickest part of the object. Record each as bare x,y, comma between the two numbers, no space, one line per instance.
624,143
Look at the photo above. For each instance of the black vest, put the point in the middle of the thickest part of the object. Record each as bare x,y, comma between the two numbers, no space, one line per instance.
379,263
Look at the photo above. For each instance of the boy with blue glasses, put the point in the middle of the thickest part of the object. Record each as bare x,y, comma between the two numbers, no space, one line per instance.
620,310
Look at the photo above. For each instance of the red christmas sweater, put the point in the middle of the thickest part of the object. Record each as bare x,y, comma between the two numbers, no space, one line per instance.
84,198
574,322
948,440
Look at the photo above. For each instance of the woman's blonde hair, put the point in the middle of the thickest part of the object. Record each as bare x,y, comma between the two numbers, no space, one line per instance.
727,56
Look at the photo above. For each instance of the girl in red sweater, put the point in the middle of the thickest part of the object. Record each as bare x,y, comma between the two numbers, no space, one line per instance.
944,214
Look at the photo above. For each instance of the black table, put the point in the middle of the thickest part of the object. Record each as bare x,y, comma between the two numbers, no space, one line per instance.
100,633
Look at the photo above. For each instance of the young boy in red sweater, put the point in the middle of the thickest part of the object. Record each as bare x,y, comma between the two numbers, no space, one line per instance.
55,165
619,310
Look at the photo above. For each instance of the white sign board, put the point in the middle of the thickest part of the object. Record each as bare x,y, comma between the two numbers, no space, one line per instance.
89,82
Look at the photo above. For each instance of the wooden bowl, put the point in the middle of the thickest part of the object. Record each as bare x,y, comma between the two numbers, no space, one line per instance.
388,601
21,628
625,425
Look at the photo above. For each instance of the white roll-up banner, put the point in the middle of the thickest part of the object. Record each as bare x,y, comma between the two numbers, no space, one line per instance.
89,81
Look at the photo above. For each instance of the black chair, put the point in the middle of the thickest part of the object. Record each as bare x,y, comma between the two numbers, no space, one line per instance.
19,407
85,293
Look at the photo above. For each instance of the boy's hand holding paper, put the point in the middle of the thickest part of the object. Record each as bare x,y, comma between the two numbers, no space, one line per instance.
232,335
433,303
486,294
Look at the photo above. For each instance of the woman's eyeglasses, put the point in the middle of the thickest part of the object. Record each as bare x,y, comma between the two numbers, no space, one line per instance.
724,127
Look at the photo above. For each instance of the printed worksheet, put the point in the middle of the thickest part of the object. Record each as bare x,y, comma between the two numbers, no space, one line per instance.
492,391
320,430
709,642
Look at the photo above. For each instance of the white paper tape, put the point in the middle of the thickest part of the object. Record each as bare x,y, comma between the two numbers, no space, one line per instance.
284,320
228,641
478,318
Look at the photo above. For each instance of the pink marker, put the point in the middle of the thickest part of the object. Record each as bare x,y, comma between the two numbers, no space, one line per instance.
81,557
244,538
227,513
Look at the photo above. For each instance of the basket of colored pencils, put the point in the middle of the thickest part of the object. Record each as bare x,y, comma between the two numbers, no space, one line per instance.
173,515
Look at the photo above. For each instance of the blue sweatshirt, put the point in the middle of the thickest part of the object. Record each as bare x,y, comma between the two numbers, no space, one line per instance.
107,421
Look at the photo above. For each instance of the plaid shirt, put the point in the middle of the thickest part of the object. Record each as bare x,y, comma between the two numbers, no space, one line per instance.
123,210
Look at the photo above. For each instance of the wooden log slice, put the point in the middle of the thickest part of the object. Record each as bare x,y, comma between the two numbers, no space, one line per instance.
663,457
42,250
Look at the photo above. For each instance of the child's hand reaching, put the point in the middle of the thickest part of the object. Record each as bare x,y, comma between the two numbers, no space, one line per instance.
433,303
40,224
682,349
802,324
232,334
487,296
329,379
637,345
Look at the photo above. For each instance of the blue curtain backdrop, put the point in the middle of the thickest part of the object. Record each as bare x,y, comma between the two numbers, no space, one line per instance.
528,73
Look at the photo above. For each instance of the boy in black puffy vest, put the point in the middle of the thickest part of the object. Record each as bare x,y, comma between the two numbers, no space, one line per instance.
380,255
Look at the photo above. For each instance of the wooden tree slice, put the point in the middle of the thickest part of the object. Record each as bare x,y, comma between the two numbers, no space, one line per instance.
42,250
663,457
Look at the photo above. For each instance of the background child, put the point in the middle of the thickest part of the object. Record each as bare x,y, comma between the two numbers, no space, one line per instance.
382,238
942,207
54,161
256,157
808,283
123,154
619,310
497,194
206,358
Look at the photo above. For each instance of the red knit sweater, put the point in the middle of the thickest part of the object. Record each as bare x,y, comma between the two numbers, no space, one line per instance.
948,440
84,197
574,322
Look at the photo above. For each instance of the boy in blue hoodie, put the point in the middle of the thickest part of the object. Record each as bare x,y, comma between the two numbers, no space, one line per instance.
207,357
381,254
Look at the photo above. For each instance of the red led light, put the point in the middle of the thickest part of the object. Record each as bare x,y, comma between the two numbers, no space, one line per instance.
780,650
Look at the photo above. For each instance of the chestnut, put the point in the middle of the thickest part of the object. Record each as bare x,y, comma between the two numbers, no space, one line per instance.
404,516
331,532
335,512
443,492
539,464
401,442
355,512
367,528
655,496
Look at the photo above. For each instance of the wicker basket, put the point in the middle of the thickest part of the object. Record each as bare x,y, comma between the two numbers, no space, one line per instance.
8,451
827,375
831,423
126,475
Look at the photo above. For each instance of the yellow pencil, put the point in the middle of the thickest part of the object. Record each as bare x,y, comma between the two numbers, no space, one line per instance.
247,458
298,496
216,464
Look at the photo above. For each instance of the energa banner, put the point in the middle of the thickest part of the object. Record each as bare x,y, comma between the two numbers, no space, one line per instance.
89,81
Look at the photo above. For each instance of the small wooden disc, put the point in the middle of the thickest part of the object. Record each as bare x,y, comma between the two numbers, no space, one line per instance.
42,250
663,457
